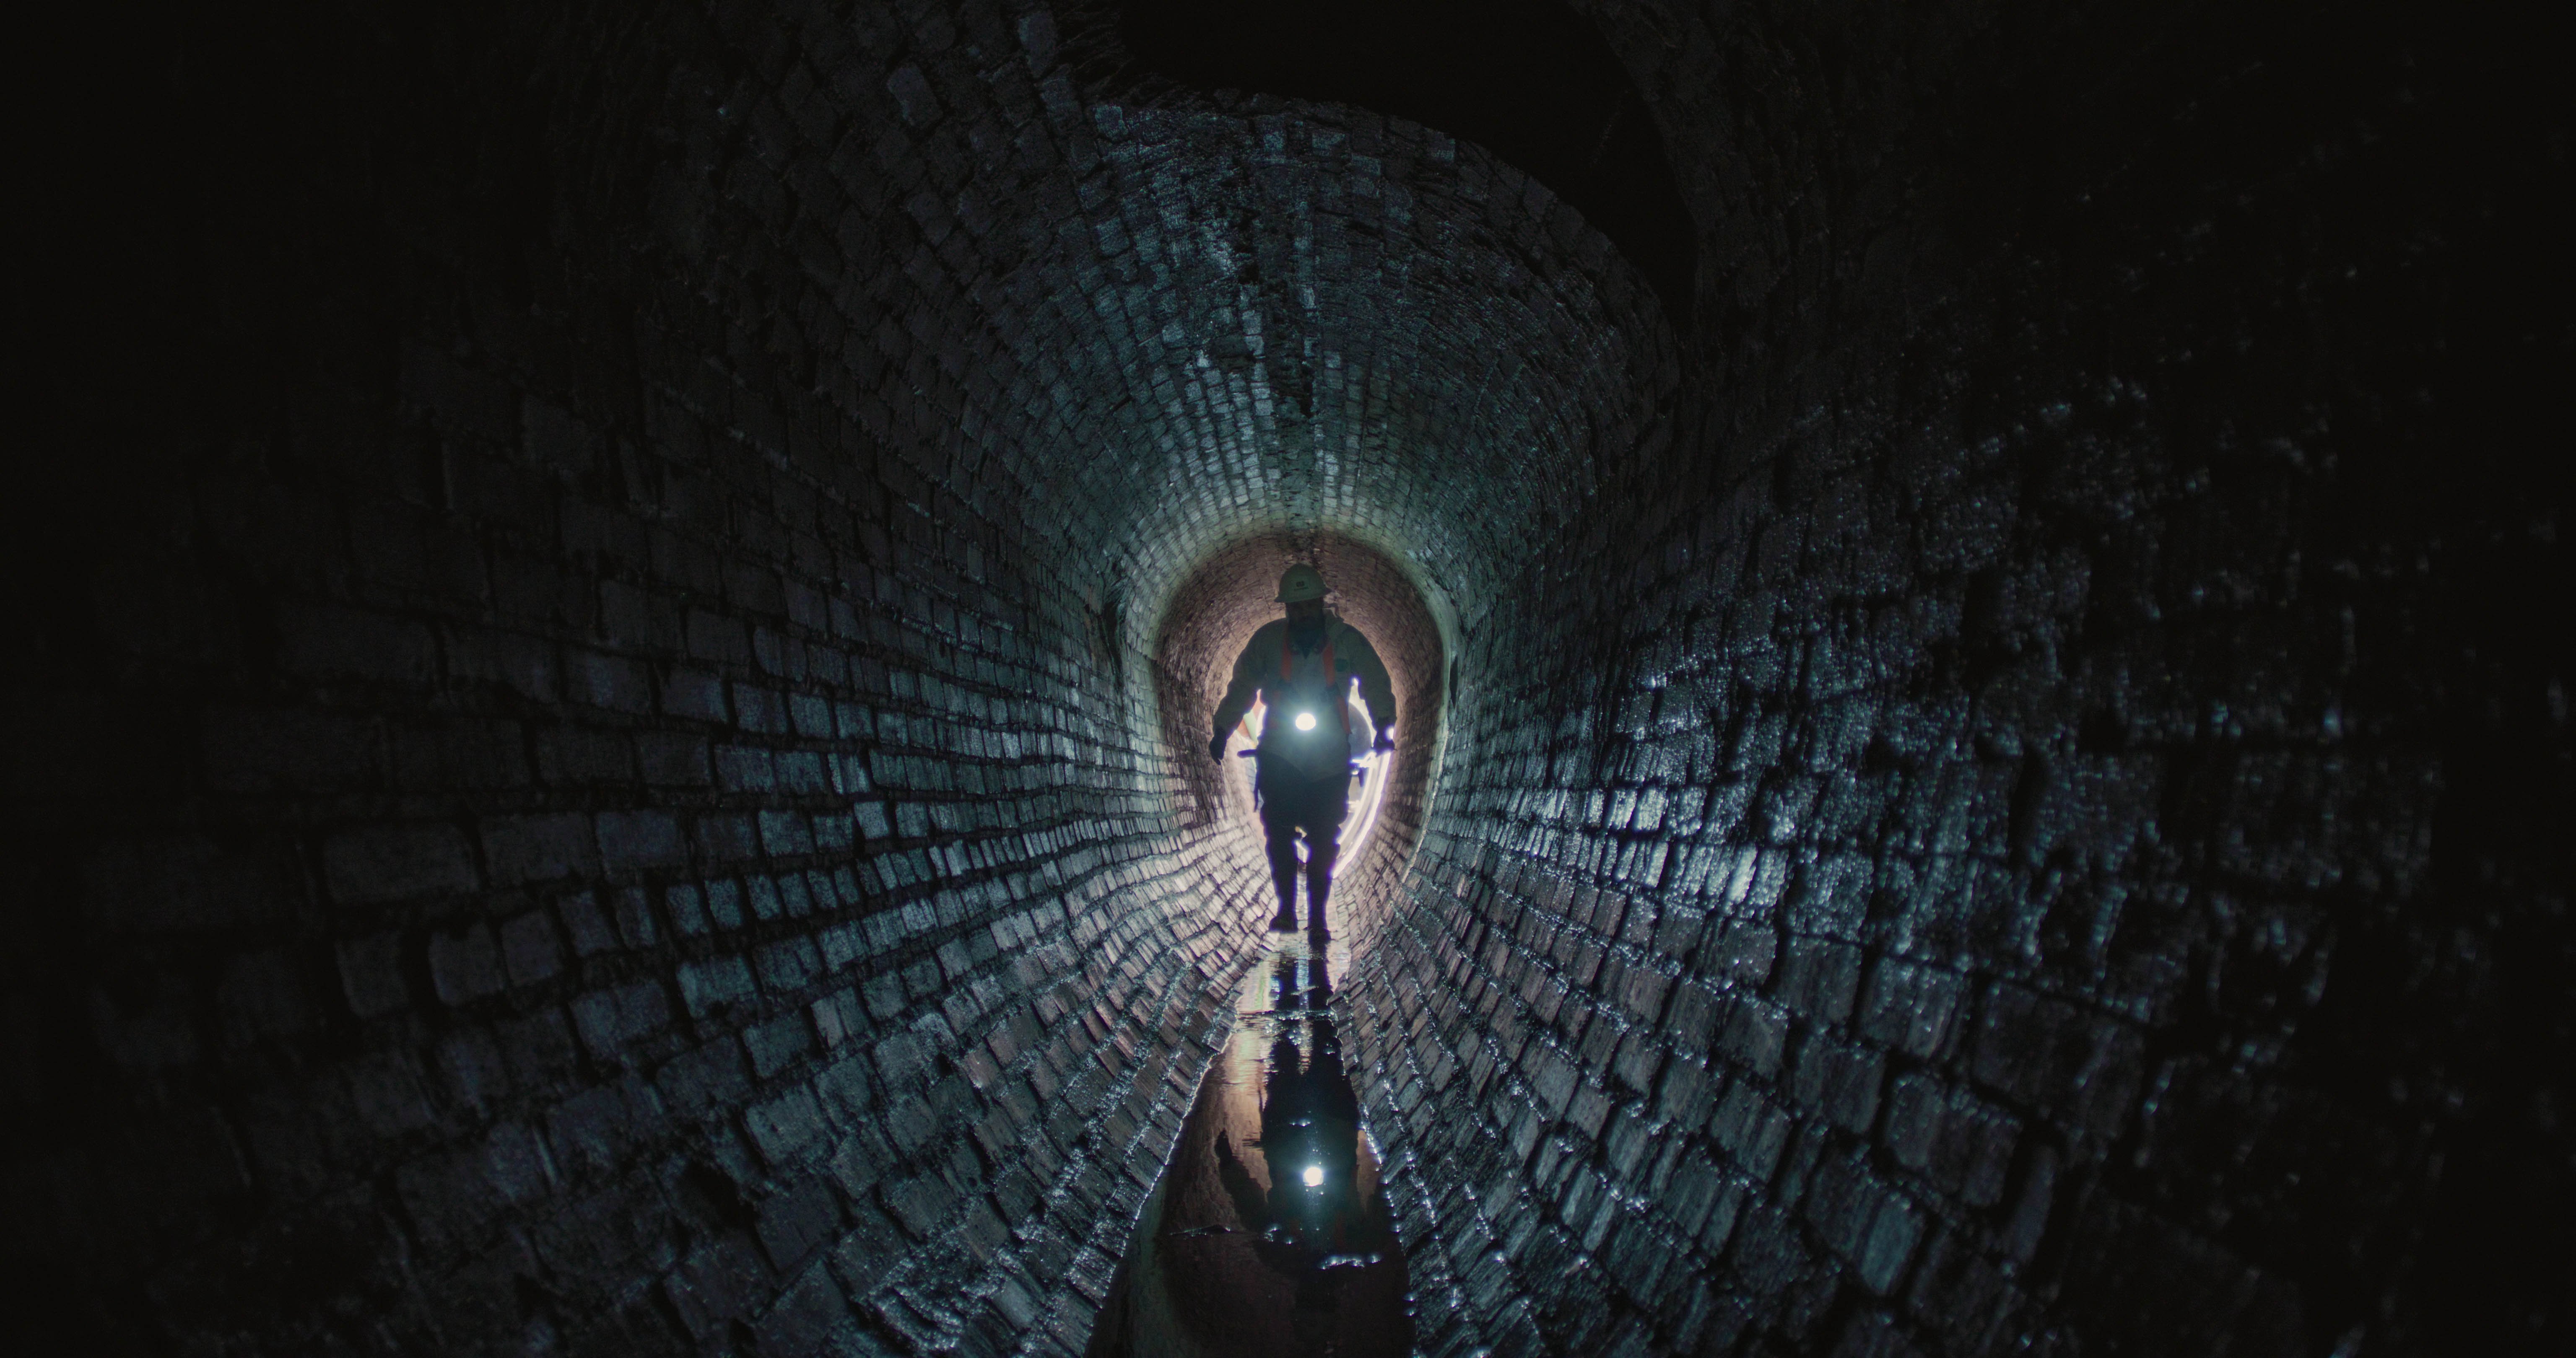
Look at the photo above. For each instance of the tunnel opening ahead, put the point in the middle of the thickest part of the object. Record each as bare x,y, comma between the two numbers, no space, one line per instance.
1217,609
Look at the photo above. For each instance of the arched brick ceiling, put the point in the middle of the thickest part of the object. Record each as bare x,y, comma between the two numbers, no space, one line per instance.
595,765
1303,318
1532,81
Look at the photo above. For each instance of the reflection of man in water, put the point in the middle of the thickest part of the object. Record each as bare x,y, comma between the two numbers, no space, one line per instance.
1310,1136
1302,668
1312,1222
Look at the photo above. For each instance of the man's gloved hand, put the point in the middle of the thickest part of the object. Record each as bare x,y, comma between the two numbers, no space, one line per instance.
1216,747
1386,741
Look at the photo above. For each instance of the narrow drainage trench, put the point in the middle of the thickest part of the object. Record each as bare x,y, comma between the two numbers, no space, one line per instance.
1269,1233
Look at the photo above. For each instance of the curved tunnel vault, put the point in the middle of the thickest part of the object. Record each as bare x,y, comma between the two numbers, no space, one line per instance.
616,729
1311,319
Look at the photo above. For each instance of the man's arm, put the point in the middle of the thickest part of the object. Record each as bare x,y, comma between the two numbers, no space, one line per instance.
1376,689
1240,693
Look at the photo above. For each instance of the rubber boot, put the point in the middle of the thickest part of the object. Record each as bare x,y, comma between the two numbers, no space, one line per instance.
1283,878
1319,889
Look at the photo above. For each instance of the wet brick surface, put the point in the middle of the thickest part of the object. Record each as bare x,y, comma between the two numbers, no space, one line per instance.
602,751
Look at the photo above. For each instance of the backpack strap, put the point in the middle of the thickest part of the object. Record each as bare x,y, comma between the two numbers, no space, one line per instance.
1333,693
1286,657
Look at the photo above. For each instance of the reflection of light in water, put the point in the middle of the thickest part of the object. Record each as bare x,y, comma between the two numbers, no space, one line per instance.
1234,1246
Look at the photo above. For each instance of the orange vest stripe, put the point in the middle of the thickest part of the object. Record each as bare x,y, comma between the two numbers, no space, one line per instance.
1287,656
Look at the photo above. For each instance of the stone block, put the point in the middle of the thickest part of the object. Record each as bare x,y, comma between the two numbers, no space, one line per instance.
715,984
634,841
465,964
520,849
529,950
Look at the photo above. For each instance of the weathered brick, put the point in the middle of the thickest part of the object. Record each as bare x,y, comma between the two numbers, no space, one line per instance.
537,848
381,863
633,840
465,965
1944,616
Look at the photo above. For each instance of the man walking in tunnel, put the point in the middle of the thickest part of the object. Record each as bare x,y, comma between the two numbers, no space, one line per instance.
1302,668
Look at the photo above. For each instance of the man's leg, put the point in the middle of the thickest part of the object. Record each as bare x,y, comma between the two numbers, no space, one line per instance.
1325,809
1281,830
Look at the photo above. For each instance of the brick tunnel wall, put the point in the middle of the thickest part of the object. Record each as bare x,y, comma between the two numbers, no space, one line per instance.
2034,830
592,770
591,721
578,810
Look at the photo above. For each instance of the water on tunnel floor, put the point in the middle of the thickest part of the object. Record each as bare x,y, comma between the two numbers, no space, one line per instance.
1269,1234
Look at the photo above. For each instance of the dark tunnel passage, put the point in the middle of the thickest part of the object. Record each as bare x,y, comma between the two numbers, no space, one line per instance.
618,610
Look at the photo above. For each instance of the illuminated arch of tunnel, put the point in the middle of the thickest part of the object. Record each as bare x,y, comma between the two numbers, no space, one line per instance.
614,665
1206,625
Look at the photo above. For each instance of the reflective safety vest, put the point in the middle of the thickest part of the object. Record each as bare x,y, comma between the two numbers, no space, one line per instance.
1326,750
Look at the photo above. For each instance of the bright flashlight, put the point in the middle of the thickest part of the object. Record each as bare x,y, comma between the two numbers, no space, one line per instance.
1314,1176
1306,722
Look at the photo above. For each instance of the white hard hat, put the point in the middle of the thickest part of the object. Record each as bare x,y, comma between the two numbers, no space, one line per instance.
1300,583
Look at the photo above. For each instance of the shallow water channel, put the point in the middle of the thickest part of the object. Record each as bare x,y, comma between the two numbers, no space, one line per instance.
1268,1233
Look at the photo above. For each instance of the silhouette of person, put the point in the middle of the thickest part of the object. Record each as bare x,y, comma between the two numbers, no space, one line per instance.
1303,668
